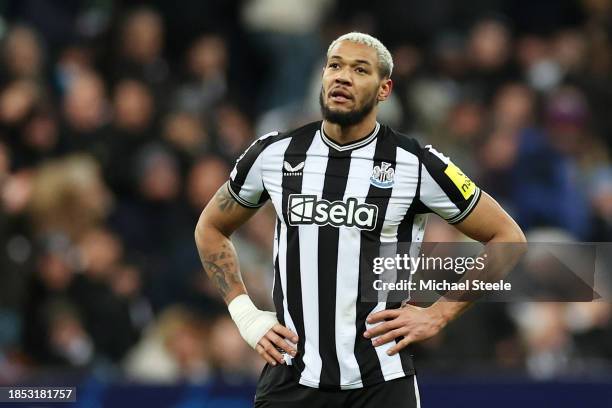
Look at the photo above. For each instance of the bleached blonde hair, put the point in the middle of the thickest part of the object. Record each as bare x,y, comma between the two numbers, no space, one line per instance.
385,60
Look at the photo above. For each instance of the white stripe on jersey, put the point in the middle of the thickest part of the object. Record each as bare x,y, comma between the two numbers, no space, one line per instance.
271,170
407,173
416,393
274,159
312,183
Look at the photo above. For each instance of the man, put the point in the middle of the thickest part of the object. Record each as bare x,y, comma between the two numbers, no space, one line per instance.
340,188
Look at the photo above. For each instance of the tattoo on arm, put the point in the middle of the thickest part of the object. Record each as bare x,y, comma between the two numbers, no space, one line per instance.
224,199
221,268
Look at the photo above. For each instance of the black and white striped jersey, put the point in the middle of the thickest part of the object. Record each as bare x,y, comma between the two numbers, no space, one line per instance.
336,206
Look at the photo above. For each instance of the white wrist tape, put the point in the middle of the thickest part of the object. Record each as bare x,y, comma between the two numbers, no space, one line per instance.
252,323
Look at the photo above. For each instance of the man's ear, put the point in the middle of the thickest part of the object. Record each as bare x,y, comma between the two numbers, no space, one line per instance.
385,89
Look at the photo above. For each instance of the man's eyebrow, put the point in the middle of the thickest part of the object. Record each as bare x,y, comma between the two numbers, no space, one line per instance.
360,61
357,61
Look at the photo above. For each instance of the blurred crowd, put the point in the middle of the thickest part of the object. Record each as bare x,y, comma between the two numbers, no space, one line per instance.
119,121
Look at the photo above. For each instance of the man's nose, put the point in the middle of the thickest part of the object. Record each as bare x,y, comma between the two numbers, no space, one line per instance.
343,78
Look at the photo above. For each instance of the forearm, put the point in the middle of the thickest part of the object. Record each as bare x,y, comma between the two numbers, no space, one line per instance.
221,265
502,252
220,261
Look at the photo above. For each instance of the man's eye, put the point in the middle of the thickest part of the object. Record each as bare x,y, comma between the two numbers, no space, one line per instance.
361,70
333,65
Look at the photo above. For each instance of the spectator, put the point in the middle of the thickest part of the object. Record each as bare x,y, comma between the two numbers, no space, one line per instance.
68,197
86,116
186,134
489,50
233,131
285,33
205,84
133,127
106,315
230,356
141,44
54,272
22,55
204,179
172,350
69,342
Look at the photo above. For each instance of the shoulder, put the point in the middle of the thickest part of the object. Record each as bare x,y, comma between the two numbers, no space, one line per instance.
402,141
269,139
307,129
409,144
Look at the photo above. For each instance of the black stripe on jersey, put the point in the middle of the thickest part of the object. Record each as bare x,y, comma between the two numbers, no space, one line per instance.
334,186
296,152
277,291
245,162
366,356
404,230
435,166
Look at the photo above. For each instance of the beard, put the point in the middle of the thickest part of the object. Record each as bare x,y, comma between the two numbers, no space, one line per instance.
349,118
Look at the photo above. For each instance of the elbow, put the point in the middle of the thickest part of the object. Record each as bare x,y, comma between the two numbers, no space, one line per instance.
518,242
200,231
521,243
197,232
198,236
518,236
510,232
511,240
207,231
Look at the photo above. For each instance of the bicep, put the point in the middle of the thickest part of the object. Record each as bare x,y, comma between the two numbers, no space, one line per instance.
224,213
488,220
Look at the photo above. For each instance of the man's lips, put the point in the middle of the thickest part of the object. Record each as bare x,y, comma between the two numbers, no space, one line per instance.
340,95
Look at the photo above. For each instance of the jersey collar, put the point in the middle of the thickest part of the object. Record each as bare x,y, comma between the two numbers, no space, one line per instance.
352,145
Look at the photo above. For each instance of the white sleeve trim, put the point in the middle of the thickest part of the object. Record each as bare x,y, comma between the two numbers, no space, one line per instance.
241,200
469,208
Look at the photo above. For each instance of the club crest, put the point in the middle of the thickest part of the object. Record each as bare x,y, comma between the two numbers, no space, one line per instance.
382,176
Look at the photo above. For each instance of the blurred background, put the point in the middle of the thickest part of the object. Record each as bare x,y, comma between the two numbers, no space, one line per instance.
120,119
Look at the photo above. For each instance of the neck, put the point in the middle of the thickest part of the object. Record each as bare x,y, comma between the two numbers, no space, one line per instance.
348,134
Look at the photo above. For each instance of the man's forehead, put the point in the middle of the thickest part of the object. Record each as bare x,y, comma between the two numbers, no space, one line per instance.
348,50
